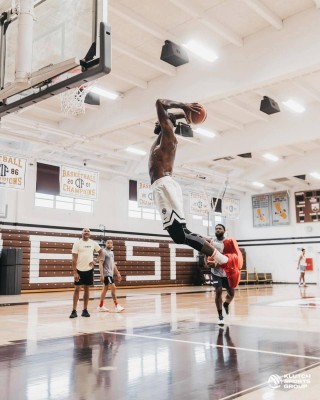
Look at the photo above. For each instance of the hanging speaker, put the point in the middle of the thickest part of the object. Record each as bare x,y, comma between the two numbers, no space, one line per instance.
269,106
92,99
184,130
174,54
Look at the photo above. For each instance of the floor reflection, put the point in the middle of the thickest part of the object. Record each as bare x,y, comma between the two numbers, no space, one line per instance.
181,357
226,366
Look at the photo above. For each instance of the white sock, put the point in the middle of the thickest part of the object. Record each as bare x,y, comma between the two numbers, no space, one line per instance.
220,258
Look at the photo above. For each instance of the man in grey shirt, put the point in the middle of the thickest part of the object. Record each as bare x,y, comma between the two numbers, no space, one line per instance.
107,268
219,276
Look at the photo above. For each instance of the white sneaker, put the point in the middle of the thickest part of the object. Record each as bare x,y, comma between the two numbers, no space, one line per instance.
102,309
118,308
220,321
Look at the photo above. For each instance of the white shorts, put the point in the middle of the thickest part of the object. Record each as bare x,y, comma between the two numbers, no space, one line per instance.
302,268
167,195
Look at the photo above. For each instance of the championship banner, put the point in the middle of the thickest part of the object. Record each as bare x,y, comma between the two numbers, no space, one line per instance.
76,182
231,208
199,203
280,208
270,209
261,210
12,172
145,195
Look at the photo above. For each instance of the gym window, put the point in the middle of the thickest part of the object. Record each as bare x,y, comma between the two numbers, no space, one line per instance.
206,223
140,212
48,189
63,203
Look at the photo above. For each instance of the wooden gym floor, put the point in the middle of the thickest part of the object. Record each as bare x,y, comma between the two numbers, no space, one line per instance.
165,345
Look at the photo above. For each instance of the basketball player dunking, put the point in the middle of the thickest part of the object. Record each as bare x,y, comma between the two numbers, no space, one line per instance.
167,193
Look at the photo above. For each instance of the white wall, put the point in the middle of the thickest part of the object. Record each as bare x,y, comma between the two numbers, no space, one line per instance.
111,209
276,251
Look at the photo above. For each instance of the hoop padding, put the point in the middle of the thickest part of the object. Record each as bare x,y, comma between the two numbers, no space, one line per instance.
72,101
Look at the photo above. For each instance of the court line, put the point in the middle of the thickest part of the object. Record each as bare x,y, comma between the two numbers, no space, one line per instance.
214,345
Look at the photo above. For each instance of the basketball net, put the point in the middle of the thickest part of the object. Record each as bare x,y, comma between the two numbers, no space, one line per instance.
72,101
15,6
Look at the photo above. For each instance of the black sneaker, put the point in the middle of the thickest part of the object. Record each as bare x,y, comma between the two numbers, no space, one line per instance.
226,307
73,314
85,313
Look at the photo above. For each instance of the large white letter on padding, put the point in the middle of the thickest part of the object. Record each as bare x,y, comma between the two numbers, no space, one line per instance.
36,256
174,259
156,260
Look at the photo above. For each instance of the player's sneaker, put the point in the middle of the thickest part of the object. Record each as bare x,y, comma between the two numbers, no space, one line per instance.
73,314
85,313
102,309
118,308
220,320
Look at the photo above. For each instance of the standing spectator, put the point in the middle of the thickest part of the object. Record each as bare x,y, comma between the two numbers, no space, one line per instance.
107,268
82,265
302,267
219,276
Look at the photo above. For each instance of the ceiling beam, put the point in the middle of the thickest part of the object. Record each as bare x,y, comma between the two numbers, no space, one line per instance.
144,59
225,120
214,25
31,125
140,22
129,78
317,3
245,108
300,83
264,12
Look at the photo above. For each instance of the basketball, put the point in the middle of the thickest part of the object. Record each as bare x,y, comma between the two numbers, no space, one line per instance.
197,118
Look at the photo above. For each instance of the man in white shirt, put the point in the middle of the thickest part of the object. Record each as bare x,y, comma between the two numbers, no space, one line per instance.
82,265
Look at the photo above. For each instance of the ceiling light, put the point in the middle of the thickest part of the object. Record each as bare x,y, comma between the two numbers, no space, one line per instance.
315,175
136,151
205,132
294,106
271,157
258,184
104,93
201,51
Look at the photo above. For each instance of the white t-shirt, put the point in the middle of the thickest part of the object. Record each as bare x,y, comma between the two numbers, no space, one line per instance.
303,261
108,262
216,270
85,249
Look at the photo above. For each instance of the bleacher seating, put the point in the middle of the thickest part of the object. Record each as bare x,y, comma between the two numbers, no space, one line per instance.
269,277
261,277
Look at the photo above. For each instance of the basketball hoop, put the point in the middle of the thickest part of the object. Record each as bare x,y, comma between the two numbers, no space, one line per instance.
72,101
